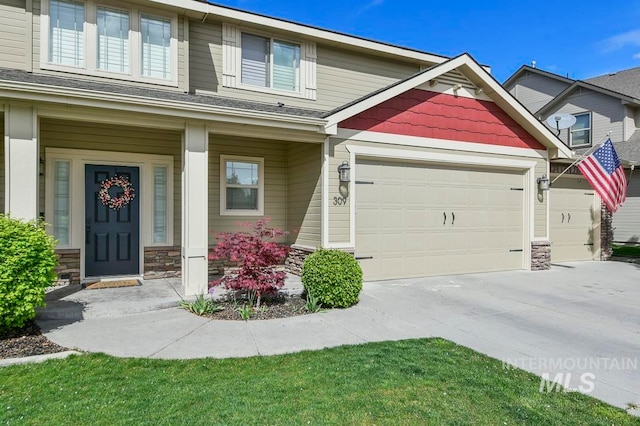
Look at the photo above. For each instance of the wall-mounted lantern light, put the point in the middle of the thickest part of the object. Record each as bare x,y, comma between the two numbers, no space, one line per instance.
344,172
543,183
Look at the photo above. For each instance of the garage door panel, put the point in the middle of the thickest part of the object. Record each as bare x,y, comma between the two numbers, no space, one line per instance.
414,239
573,221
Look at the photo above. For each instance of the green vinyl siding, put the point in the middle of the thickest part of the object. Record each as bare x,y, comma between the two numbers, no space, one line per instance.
13,21
304,192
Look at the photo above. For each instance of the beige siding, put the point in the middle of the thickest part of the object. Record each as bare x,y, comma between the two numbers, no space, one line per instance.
13,32
339,215
626,221
122,139
2,164
275,180
342,75
540,204
607,114
535,90
304,194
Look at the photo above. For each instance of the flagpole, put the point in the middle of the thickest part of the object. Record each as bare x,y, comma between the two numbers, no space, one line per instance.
583,156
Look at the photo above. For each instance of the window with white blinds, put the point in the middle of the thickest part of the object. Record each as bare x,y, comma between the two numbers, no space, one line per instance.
113,40
66,33
61,197
159,204
156,47
271,63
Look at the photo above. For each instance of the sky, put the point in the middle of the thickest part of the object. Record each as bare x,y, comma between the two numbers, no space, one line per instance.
580,39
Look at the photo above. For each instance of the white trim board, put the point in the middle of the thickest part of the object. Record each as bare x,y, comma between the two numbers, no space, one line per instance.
78,159
393,139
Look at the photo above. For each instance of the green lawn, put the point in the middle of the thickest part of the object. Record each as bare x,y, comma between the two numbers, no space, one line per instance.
627,251
409,382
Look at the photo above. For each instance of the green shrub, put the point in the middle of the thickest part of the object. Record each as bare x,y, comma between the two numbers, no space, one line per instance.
333,277
27,262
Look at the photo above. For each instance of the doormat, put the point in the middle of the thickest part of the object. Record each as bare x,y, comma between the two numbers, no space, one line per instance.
113,284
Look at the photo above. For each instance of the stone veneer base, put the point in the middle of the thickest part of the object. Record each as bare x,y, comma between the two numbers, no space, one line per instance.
68,269
540,255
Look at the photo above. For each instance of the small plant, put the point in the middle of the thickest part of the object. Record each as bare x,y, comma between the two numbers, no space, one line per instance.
245,311
334,277
312,304
201,306
27,268
258,254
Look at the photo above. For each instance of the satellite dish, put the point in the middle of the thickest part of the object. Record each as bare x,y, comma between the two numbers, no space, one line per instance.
560,121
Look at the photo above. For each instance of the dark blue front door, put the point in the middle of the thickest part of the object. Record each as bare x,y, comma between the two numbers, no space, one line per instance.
112,236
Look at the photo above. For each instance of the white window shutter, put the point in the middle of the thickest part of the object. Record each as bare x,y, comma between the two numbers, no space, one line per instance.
230,55
309,69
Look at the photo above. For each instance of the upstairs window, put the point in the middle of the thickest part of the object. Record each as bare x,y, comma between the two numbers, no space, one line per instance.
66,33
156,47
127,43
113,40
270,63
580,133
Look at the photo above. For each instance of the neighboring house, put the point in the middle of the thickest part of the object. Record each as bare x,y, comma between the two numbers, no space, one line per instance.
604,106
217,116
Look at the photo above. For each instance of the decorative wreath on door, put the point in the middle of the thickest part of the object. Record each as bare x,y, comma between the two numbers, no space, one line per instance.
116,203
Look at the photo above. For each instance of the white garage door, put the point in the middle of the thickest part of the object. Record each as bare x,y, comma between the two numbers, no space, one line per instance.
574,221
417,220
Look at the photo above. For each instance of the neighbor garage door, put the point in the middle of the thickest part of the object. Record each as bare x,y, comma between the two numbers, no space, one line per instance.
417,220
574,221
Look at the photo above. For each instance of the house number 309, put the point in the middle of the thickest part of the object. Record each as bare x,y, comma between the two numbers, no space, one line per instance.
339,201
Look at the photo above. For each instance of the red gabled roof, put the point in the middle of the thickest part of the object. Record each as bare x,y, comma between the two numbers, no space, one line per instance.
428,114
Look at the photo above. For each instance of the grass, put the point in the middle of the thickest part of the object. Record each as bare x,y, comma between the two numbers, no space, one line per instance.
626,251
426,381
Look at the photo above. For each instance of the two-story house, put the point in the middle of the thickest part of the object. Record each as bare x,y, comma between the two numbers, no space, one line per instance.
606,106
141,129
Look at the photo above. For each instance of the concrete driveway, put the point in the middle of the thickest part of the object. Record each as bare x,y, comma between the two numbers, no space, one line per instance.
578,323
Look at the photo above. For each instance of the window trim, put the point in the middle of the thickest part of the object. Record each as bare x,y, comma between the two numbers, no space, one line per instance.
590,129
271,89
90,32
223,186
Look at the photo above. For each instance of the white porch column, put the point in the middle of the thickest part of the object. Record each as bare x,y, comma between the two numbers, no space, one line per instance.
21,161
195,232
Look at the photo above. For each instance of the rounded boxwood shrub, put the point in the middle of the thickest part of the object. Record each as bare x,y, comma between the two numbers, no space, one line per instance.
332,276
27,262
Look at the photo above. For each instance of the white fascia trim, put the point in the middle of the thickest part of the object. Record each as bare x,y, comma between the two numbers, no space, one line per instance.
393,139
80,97
329,36
447,158
394,91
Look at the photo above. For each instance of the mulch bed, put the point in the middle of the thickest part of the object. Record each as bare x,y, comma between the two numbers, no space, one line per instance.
26,341
271,307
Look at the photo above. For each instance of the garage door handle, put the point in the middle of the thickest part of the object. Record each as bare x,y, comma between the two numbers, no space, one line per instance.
453,218
562,218
569,217
445,218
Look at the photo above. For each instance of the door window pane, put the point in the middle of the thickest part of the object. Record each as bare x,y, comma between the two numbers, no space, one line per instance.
66,33
255,60
160,205
113,40
61,201
156,49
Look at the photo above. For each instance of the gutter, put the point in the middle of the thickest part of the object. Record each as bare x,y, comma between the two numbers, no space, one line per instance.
187,110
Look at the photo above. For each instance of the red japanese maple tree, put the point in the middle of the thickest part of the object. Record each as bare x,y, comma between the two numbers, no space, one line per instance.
258,254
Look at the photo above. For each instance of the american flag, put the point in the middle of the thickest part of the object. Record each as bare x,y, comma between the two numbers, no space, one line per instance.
606,176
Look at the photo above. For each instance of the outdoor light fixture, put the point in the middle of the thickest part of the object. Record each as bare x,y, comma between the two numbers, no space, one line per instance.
543,183
343,171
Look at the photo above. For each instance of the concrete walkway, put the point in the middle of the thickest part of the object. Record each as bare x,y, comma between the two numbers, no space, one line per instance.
580,320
